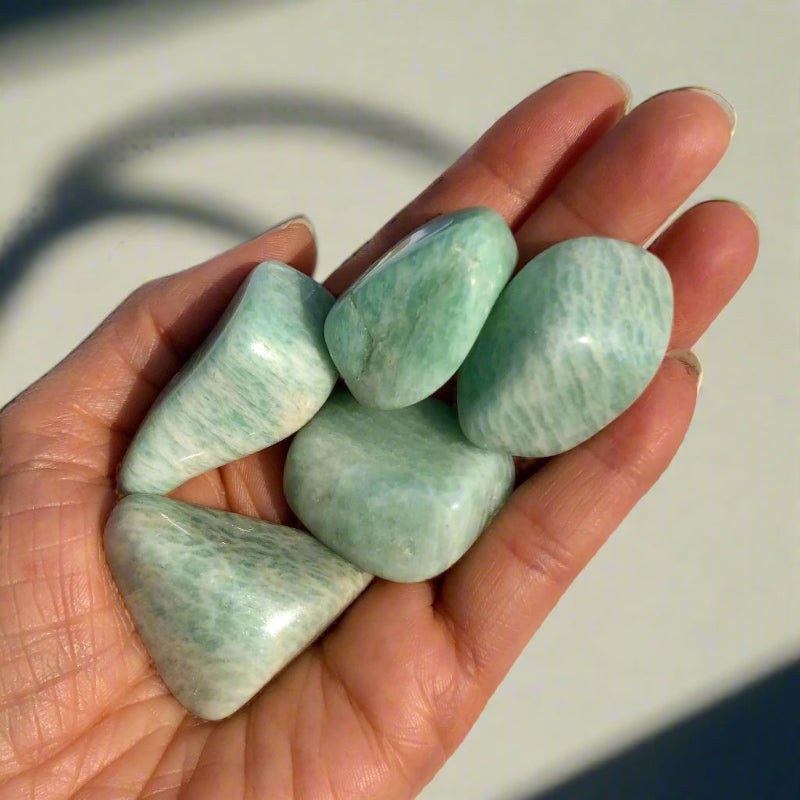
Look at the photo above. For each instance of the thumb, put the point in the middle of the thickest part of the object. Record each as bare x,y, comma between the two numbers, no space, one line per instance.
100,392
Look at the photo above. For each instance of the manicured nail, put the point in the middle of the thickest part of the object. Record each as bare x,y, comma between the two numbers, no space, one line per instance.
748,211
623,84
297,219
729,110
691,361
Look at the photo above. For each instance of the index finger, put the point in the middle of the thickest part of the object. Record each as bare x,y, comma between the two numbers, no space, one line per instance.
513,166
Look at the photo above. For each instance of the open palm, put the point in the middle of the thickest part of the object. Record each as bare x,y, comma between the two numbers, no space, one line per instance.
378,704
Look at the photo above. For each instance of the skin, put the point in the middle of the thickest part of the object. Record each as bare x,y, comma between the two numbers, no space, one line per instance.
376,706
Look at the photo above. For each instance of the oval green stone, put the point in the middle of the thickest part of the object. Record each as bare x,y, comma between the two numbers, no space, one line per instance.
401,494
404,327
571,343
262,373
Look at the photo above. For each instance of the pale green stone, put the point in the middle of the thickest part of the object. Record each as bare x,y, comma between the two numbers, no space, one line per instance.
403,328
222,602
572,341
401,494
263,372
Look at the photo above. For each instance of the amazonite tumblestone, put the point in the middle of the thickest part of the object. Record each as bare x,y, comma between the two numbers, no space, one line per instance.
222,602
262,373
571,343
401,494
404,327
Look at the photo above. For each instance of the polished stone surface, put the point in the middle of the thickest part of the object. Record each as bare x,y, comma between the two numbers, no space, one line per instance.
402,330
263,372
402,494
571,343
222,602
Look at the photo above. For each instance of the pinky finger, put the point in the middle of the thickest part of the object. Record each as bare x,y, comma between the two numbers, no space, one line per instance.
709,252
496,597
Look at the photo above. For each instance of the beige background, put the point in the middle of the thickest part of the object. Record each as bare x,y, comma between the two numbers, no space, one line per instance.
206,126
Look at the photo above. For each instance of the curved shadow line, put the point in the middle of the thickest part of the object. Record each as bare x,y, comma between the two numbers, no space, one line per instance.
32,242
26,14
85,189
160,126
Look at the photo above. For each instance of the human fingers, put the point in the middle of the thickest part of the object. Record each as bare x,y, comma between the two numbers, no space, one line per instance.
498,595
90,404
513,165
637,175
709,250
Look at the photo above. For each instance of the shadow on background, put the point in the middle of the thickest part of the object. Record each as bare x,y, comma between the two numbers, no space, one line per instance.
745,747
16,15
86,189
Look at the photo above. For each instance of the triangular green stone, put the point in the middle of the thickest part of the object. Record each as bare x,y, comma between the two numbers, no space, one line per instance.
222,602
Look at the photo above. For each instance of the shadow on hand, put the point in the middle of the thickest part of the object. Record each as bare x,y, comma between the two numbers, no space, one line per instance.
746,746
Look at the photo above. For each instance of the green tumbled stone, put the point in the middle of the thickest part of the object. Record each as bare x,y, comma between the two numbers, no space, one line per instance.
222,602
401,494
572,341
403,328
263,372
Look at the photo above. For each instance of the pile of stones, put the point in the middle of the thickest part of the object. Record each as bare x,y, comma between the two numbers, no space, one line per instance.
388,480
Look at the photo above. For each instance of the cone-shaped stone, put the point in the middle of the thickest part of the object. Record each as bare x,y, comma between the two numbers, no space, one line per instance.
403,328
222,602
263,372
572,341
402,494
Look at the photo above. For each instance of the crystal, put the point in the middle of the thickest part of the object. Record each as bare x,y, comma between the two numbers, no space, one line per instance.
401,494
222,602
404,327
262,373
571,343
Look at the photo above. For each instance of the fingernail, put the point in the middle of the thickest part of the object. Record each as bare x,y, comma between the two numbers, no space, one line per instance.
297,219
748,212
729,110
622,83
691,361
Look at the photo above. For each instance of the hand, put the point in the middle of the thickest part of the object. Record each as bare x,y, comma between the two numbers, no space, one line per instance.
375,707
